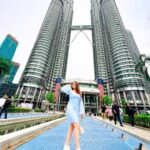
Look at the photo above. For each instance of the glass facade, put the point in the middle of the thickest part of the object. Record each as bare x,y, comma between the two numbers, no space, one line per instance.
48,58
115,53
114,50
8,47
13,71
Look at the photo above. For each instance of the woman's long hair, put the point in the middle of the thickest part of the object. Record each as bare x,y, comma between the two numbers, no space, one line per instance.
77,89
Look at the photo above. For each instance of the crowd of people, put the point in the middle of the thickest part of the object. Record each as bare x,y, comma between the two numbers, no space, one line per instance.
116,113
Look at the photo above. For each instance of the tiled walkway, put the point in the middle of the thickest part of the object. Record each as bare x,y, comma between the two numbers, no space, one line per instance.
97,137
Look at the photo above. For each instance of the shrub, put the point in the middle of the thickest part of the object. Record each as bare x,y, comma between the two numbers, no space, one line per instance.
140,120
38,110
18,110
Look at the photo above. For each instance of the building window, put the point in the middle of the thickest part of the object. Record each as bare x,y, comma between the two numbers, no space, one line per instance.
137,95
129,95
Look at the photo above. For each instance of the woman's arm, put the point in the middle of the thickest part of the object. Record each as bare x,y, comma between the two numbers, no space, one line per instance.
66,89
81,109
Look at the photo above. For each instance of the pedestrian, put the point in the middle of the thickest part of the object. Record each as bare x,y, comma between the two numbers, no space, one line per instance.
130,111
5,106
2,102
103,107
109,113
116,112
75,111
121,114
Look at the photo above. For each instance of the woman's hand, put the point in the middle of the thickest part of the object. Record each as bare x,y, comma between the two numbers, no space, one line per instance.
82,116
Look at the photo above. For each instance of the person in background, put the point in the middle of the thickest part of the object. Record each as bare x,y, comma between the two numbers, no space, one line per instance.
75,111
130,111
109,113
103,111
2,102
116,112
5,106
121,114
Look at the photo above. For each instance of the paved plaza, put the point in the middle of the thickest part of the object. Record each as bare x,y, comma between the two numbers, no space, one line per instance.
99,135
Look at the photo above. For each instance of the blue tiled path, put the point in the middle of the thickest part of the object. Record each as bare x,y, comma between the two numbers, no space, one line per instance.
97,137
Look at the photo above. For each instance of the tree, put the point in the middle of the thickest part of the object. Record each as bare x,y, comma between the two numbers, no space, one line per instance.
15,99
50,98
107,100
123,103
141,66
5,66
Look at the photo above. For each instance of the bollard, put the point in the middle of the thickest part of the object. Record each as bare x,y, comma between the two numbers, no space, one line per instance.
122,135
140,146
113,130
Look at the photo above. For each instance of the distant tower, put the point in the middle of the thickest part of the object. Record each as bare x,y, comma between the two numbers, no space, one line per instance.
8,47
48,58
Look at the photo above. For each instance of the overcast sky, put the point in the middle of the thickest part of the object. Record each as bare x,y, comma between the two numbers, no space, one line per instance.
23,19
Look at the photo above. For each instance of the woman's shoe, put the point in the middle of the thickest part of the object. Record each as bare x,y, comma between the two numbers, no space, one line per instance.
66,147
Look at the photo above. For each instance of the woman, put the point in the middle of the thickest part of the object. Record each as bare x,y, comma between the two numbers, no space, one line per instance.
109,113
75,111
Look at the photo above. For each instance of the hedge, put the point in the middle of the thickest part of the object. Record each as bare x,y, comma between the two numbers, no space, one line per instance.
18,110
140,120
38,110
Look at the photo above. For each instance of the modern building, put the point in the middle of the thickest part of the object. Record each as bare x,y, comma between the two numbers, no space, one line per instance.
13,71
7,51
8,47
49,55
8,89
123,80
115,54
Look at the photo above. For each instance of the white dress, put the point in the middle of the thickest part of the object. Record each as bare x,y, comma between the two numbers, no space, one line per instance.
75,105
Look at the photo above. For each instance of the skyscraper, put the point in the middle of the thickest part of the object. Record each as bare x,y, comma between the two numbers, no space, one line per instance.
13,71
8,47
49,54
124,82
113,48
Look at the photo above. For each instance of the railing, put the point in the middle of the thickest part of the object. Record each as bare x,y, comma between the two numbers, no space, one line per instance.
11,125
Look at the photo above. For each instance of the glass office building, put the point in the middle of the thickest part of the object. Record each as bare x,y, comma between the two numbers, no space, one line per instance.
48,58
114,50
8,47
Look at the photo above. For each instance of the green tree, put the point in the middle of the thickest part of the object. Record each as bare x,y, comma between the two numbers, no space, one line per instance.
5,66
141,66
50,98
107,100
123,103
15,99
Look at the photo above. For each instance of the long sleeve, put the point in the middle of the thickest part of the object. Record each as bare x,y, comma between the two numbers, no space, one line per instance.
82,110
66,89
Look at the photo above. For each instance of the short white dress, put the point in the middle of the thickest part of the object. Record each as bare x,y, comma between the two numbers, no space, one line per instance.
75,106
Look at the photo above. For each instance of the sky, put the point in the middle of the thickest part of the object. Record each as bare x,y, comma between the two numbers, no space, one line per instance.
23,19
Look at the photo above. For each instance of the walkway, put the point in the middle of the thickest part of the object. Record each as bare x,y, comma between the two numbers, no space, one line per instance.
98,136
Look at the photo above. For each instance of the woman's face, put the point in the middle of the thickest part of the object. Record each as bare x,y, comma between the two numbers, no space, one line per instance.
73,85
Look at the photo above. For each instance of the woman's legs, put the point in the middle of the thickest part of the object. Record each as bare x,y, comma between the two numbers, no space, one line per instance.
70,130
76,134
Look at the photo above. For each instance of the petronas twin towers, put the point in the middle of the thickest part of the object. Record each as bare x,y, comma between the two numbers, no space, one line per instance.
114,59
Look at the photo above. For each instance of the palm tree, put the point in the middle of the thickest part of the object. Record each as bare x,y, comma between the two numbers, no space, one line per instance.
5,66
141,66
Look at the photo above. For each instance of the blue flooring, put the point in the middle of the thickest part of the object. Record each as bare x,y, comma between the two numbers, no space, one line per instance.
96,137
24,115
